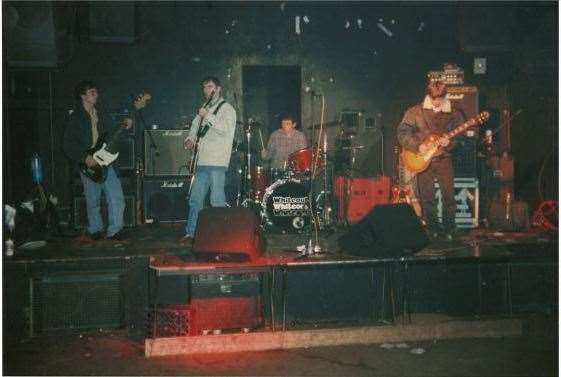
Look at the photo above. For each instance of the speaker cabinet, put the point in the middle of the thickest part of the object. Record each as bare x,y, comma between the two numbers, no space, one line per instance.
164,154
112,22
126,154
464,155
165,200
228,234
388,230
37,33
81,216
75,302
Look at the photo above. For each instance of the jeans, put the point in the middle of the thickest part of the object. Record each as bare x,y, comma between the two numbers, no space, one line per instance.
114,198
206,177
442,170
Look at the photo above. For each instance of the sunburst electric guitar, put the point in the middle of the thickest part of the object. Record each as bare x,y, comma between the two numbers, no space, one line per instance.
416,162
105,151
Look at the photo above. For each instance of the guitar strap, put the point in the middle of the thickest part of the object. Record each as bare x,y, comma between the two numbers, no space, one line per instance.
218,107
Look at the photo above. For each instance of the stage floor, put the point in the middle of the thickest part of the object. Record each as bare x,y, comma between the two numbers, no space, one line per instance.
166,240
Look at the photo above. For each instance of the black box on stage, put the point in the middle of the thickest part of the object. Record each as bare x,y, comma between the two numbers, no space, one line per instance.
464,155
165,200
164,153
388,230
81,216
225,233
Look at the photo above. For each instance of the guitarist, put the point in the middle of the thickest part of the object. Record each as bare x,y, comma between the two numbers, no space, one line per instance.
214,148
434,115
84,126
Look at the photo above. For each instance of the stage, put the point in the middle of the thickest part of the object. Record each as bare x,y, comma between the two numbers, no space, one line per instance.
74,284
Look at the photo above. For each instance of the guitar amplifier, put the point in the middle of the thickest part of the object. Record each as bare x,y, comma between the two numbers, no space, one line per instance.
165,200
125,161
357,196
464,155
164,154
81,216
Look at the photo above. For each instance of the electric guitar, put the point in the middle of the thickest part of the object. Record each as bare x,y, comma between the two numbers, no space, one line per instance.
105,152
201,132
416,162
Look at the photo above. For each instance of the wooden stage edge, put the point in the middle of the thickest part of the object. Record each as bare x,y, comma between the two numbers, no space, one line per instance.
422,330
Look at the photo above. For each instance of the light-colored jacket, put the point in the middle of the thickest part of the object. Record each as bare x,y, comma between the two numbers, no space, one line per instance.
215,147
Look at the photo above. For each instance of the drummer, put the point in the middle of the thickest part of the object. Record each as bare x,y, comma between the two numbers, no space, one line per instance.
283,142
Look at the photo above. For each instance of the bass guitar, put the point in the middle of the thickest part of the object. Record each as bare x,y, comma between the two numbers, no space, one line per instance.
105,150
416,162
201,132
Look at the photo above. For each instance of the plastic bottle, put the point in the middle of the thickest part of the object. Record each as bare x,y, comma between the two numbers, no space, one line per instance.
36,169
9,247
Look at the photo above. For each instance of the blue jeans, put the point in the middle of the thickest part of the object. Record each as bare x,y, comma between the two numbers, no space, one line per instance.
206,177
114,198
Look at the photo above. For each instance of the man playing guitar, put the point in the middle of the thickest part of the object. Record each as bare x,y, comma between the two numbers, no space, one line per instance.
435,115
213,146
84,126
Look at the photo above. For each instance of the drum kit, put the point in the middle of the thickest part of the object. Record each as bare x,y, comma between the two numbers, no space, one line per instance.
291,199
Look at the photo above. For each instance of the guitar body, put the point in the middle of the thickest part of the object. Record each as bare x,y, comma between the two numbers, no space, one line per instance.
104,152
419,162
98,173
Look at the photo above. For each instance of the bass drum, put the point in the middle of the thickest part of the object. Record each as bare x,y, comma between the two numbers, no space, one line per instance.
286,205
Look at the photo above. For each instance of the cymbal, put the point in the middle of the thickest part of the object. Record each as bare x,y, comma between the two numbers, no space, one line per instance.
355,147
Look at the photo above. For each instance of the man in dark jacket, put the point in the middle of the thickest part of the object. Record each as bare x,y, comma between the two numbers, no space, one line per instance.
84,126
434,115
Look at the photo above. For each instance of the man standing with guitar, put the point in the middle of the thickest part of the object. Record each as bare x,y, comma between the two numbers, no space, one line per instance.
83,129
434,116
211,136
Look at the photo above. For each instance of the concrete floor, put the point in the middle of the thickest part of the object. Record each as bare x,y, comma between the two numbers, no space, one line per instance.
112,353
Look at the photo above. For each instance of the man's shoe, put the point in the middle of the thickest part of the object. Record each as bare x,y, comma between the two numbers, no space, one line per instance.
96,236
187,239
119,236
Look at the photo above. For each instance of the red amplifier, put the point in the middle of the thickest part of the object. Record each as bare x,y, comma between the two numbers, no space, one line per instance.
222,313
358,196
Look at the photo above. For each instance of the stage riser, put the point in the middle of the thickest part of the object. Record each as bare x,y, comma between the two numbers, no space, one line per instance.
312,295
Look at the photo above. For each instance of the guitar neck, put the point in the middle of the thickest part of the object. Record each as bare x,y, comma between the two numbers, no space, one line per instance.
460,129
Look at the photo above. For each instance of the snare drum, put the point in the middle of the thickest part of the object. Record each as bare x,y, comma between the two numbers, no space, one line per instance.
302,161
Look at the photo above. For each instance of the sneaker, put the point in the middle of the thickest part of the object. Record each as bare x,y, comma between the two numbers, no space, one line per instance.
119,236
96,236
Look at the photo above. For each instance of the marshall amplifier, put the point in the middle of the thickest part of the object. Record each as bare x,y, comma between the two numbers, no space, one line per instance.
165,200
164,154
464,155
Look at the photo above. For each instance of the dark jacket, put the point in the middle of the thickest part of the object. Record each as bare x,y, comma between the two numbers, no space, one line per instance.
78,133
418,123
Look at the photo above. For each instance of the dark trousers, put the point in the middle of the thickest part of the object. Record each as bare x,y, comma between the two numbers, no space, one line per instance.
443,171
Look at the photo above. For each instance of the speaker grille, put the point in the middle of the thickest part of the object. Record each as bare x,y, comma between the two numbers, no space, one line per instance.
66,303
169,157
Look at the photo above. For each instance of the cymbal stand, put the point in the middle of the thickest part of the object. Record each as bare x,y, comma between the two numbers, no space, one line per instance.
247,186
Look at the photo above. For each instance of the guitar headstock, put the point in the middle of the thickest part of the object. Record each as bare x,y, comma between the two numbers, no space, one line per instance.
141,100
